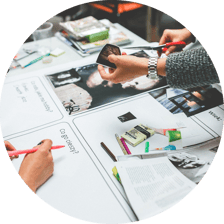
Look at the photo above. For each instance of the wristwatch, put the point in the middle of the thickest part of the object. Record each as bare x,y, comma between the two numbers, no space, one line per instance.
152,68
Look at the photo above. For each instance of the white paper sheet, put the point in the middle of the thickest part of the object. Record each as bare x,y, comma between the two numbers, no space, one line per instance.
26,104
101,126
152,185
76,188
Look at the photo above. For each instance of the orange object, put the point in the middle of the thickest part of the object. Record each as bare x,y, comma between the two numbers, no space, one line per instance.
121,7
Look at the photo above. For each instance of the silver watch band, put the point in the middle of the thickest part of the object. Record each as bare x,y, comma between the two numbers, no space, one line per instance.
152,68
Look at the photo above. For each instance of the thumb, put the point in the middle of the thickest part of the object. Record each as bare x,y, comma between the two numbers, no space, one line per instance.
113,58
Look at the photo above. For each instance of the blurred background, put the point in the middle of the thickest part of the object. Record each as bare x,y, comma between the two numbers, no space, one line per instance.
142,20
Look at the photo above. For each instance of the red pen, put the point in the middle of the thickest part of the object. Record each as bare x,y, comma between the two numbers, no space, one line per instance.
24,151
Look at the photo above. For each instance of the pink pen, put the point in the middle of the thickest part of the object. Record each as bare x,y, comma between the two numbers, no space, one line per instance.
18,152
125,146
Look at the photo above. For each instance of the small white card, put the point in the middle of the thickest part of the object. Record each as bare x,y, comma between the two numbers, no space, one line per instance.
57,52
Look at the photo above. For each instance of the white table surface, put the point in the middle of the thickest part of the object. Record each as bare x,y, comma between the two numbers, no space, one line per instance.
70,53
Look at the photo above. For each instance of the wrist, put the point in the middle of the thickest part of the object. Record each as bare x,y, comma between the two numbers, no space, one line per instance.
30,184
144,66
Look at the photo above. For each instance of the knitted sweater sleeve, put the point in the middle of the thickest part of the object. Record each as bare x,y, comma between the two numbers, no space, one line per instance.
190,68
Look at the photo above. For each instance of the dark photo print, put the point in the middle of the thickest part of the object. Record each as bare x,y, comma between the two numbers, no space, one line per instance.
108,49
126,117
82,88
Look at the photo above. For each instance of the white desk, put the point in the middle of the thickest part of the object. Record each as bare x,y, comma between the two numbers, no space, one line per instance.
70,53
94,195
82,185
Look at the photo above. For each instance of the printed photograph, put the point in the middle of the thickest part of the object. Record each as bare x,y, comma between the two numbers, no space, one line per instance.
82,88
190,102
106,51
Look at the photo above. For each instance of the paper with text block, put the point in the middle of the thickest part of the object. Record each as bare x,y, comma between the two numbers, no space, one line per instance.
26,104
152,185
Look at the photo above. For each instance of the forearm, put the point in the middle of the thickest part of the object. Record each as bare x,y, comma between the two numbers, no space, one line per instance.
190,69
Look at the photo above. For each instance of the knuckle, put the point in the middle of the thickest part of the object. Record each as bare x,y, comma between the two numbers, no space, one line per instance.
49,141
165,31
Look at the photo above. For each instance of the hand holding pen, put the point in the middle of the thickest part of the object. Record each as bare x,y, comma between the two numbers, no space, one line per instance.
37,166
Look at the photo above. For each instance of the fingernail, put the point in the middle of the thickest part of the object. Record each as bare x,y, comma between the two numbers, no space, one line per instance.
167,52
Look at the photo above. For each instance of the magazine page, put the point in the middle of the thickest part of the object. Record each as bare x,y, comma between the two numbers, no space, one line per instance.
192,161
152,185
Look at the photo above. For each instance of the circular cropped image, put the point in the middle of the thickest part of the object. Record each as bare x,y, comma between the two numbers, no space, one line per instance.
117,112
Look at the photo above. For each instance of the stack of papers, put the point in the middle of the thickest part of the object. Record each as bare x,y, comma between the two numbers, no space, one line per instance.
84,27
152,183
84,47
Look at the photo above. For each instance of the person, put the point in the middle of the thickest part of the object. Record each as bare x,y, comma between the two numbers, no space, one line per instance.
185,69
37,167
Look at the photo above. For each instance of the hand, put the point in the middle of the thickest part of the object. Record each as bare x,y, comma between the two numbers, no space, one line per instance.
37,167
10,147
128,68
174,36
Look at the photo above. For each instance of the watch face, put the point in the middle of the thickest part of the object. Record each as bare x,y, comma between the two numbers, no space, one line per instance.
105,52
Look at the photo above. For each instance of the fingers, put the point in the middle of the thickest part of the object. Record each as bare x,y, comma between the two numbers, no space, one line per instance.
113,58
170,50
9,146
165,37
103,73
159,53
45,146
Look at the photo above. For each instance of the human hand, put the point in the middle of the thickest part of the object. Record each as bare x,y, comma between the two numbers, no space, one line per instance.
174,36
10,147
128,68
37,167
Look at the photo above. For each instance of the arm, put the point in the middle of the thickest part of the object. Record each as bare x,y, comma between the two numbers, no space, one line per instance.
129,67
186,69
190,69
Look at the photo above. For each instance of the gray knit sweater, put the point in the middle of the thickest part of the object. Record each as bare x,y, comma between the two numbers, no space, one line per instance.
190,68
